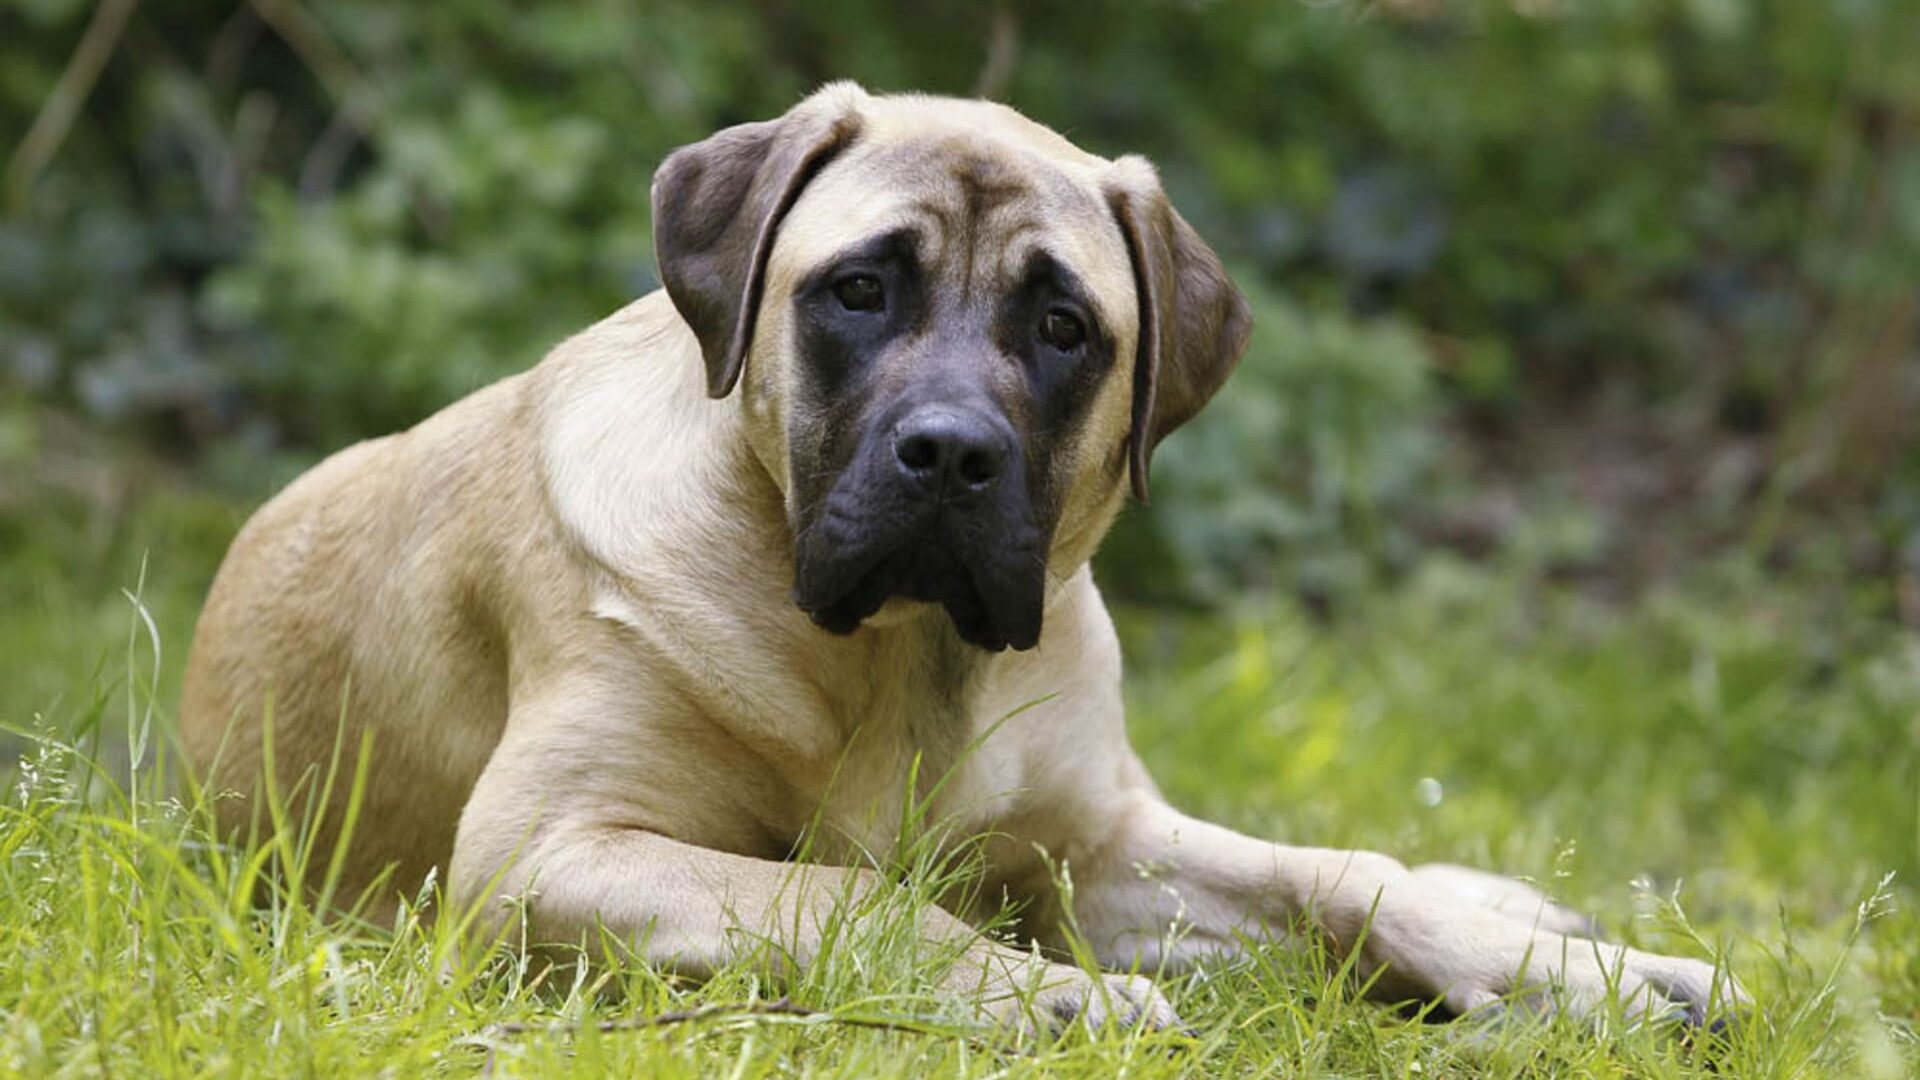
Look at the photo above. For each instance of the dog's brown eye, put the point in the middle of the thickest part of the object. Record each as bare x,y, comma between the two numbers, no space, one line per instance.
1062,330
860,292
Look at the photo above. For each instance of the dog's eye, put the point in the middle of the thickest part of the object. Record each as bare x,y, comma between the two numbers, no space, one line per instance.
1062,330
860,292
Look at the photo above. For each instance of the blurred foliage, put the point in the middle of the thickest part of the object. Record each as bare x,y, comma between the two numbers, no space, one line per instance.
1327,424
1483,236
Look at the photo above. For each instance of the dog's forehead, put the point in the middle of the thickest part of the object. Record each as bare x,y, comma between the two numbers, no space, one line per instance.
900,117
972,173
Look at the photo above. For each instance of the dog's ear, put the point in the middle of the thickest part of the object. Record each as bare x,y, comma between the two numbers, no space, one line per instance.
716,208
1193,321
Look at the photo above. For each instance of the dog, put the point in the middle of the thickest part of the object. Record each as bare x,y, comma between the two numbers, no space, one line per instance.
758,550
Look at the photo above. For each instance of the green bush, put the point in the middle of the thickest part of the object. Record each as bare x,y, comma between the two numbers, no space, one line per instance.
1297,469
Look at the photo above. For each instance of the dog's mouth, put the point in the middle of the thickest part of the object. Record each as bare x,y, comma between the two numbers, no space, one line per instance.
990,581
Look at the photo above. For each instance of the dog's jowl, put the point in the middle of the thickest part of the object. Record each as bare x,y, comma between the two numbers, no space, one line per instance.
619,629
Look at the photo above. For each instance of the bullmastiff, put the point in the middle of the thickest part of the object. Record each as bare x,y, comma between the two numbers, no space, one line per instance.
763,547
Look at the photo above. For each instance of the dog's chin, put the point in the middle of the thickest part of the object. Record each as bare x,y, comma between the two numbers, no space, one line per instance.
842,595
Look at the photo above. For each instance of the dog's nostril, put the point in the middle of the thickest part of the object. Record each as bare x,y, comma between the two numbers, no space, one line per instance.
978,467
918,452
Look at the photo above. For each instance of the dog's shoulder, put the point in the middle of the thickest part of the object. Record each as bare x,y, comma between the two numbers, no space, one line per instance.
630,452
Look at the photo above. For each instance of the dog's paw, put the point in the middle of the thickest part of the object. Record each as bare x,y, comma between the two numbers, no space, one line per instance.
1127,1001
1510,897
1582,977
1033,995
1478,963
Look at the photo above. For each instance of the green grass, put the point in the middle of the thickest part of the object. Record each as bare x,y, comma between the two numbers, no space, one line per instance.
1734,767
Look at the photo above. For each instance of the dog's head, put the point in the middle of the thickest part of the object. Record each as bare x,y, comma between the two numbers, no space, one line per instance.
955,334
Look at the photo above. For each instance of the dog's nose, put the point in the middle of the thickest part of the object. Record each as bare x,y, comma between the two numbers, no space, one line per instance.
957,449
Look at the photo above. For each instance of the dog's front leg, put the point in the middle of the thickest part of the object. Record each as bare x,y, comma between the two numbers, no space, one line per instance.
1166,890
549,836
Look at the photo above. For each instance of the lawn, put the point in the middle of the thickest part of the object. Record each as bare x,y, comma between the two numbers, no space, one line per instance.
1727,767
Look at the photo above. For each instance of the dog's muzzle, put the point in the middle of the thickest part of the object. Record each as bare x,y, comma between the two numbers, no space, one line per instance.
934,507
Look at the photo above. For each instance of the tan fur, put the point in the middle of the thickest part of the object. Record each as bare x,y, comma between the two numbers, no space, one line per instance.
559,609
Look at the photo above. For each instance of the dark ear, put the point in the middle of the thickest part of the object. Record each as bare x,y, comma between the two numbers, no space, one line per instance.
1193,322
716,208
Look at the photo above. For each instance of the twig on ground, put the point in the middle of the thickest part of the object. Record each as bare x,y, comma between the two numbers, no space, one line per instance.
780,1007
777,1007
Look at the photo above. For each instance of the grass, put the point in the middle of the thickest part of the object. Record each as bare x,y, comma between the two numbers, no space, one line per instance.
1731,769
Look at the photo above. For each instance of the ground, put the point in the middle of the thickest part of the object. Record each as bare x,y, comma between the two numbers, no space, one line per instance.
1726,768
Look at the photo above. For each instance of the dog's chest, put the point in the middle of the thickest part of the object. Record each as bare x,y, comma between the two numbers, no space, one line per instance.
840,746
912,764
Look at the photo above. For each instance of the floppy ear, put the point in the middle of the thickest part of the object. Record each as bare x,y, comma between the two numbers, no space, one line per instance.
1193,322
716,208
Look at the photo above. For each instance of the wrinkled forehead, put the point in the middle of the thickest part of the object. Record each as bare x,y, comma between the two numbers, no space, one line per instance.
976,206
